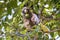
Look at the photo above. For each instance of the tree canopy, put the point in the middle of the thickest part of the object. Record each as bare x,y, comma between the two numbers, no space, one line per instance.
11,20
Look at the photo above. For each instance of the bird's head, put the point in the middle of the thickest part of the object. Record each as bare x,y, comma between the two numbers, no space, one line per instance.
26,12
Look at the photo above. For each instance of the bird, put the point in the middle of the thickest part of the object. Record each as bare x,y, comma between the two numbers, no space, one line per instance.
29,18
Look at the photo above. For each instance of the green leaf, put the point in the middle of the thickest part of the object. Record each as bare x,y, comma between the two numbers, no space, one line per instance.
5,0
13,3
52,34
36,9
21,0
58,15
59,32
40,35
9,8
55,34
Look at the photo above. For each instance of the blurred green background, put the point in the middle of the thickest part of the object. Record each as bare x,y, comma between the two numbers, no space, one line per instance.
11,20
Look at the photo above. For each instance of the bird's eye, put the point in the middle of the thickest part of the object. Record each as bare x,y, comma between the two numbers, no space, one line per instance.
25,11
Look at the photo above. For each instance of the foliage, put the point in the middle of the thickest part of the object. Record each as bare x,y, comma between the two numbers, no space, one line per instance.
11,20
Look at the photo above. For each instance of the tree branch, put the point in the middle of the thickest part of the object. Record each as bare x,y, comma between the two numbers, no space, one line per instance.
51,31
